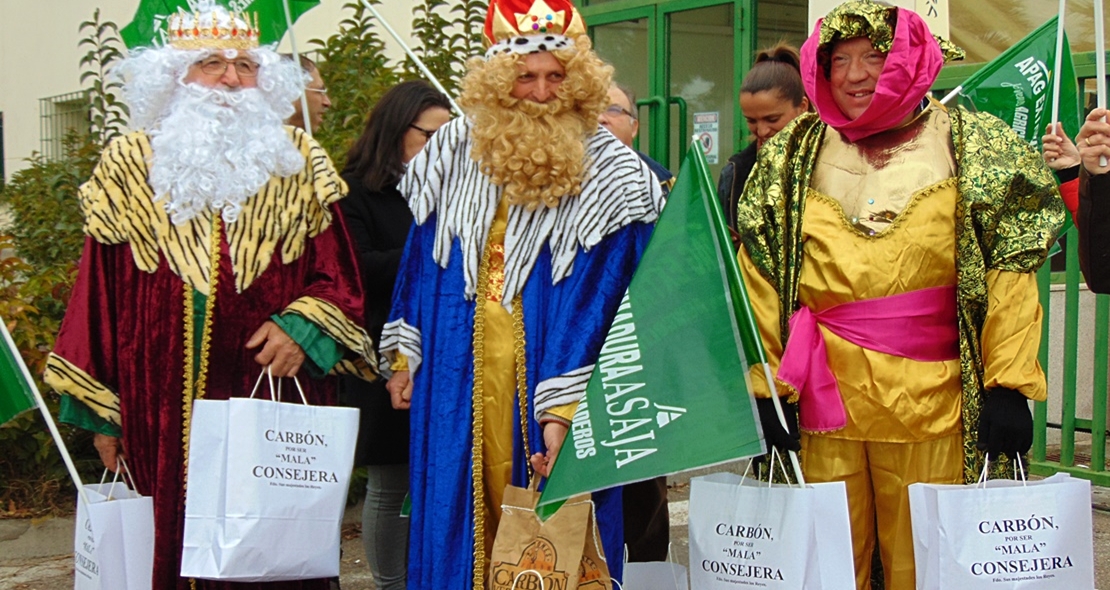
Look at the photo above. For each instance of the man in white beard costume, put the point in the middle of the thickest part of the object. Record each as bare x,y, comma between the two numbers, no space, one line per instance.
213,248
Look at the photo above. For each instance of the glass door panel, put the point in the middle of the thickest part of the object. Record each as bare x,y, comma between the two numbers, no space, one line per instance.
624,44
700,82
781,20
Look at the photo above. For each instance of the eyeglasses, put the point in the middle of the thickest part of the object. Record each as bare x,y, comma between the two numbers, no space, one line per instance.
615,110
323,91
215,66
427,134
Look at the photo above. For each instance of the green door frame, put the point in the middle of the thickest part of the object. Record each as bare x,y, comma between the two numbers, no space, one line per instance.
659,50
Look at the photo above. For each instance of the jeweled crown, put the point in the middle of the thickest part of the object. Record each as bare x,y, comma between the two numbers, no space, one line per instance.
214,29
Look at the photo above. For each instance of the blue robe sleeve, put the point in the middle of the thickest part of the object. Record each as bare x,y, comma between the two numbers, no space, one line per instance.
577,313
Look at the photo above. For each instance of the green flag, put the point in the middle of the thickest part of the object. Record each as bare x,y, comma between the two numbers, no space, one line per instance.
669,391
1017,86
16,390
148,28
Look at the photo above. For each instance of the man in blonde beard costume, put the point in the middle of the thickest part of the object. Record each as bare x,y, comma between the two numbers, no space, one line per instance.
530,220
211,252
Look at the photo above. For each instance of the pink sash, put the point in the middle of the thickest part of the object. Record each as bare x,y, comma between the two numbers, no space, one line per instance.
919,325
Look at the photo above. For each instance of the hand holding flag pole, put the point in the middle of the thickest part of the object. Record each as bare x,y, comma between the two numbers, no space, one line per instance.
748,317
20,393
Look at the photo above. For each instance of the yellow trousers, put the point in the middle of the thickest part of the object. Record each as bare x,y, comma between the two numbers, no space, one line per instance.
877,475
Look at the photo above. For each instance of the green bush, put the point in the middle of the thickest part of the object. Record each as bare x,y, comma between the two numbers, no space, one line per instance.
38,264
357,73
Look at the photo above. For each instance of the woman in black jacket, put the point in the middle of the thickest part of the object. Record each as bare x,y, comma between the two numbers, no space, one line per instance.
770,97
378,220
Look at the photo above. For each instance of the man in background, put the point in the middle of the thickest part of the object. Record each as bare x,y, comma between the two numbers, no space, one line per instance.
620,119
315,94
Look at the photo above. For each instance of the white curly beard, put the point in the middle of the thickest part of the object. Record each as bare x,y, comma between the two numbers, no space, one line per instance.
215,148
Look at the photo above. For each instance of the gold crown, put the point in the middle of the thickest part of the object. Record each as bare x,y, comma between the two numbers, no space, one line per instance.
187,31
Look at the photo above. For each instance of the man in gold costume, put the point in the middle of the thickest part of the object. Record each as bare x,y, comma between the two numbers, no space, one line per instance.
529,221
889,246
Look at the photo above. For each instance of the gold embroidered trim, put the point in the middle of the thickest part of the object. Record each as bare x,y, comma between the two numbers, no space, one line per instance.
187,394
479,493
194,389
521,379
66,378
898,221
209,306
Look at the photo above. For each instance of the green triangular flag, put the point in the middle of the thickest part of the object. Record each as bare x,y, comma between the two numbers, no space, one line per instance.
16,391
669,392
1017,86
148,28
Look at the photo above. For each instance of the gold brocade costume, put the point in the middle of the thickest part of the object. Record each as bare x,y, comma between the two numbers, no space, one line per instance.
498,382
501,347
951,198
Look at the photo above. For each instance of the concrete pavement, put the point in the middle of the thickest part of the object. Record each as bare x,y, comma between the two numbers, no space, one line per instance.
37,554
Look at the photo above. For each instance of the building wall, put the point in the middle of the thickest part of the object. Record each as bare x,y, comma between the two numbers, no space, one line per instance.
39,56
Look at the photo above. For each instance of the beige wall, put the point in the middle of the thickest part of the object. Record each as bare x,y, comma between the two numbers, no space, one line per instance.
39,56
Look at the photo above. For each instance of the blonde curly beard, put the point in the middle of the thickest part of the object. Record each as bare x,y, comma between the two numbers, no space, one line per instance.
537,152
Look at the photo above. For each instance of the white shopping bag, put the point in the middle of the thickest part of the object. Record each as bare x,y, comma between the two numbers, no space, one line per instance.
1003,535
113,542
267,487
745,532
654,575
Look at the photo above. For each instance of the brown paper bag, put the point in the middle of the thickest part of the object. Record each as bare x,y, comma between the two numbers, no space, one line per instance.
527,549
593,573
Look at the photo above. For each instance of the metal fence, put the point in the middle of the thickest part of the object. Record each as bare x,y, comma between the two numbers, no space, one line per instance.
1070,431
1070,428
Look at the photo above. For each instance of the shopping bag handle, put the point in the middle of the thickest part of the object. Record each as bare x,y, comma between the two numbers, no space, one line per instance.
122,470
523,572
275,393
771,476
983,476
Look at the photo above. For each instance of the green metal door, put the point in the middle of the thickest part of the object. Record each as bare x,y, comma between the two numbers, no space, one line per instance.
685,60
679,57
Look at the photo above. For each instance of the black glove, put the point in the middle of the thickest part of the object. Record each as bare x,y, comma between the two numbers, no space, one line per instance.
1005,423
773,431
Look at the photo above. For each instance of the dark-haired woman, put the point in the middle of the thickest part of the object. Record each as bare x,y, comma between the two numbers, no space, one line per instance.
378,221
770,97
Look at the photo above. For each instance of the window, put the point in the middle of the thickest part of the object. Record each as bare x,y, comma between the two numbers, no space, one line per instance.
58,115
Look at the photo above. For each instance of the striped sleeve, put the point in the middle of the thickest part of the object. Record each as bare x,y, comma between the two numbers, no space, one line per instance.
565,389
337,326
67,379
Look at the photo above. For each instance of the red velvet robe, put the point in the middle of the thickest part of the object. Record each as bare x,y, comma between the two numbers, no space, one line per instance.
126,330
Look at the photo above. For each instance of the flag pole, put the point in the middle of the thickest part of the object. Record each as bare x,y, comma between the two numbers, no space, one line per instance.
952,94
419,64
754,329
1057,67
45,412
1100,65
297,60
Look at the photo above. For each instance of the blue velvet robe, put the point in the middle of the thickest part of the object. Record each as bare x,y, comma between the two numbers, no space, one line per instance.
565,324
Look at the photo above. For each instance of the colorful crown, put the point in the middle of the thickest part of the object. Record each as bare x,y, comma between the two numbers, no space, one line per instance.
507,19
212,29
